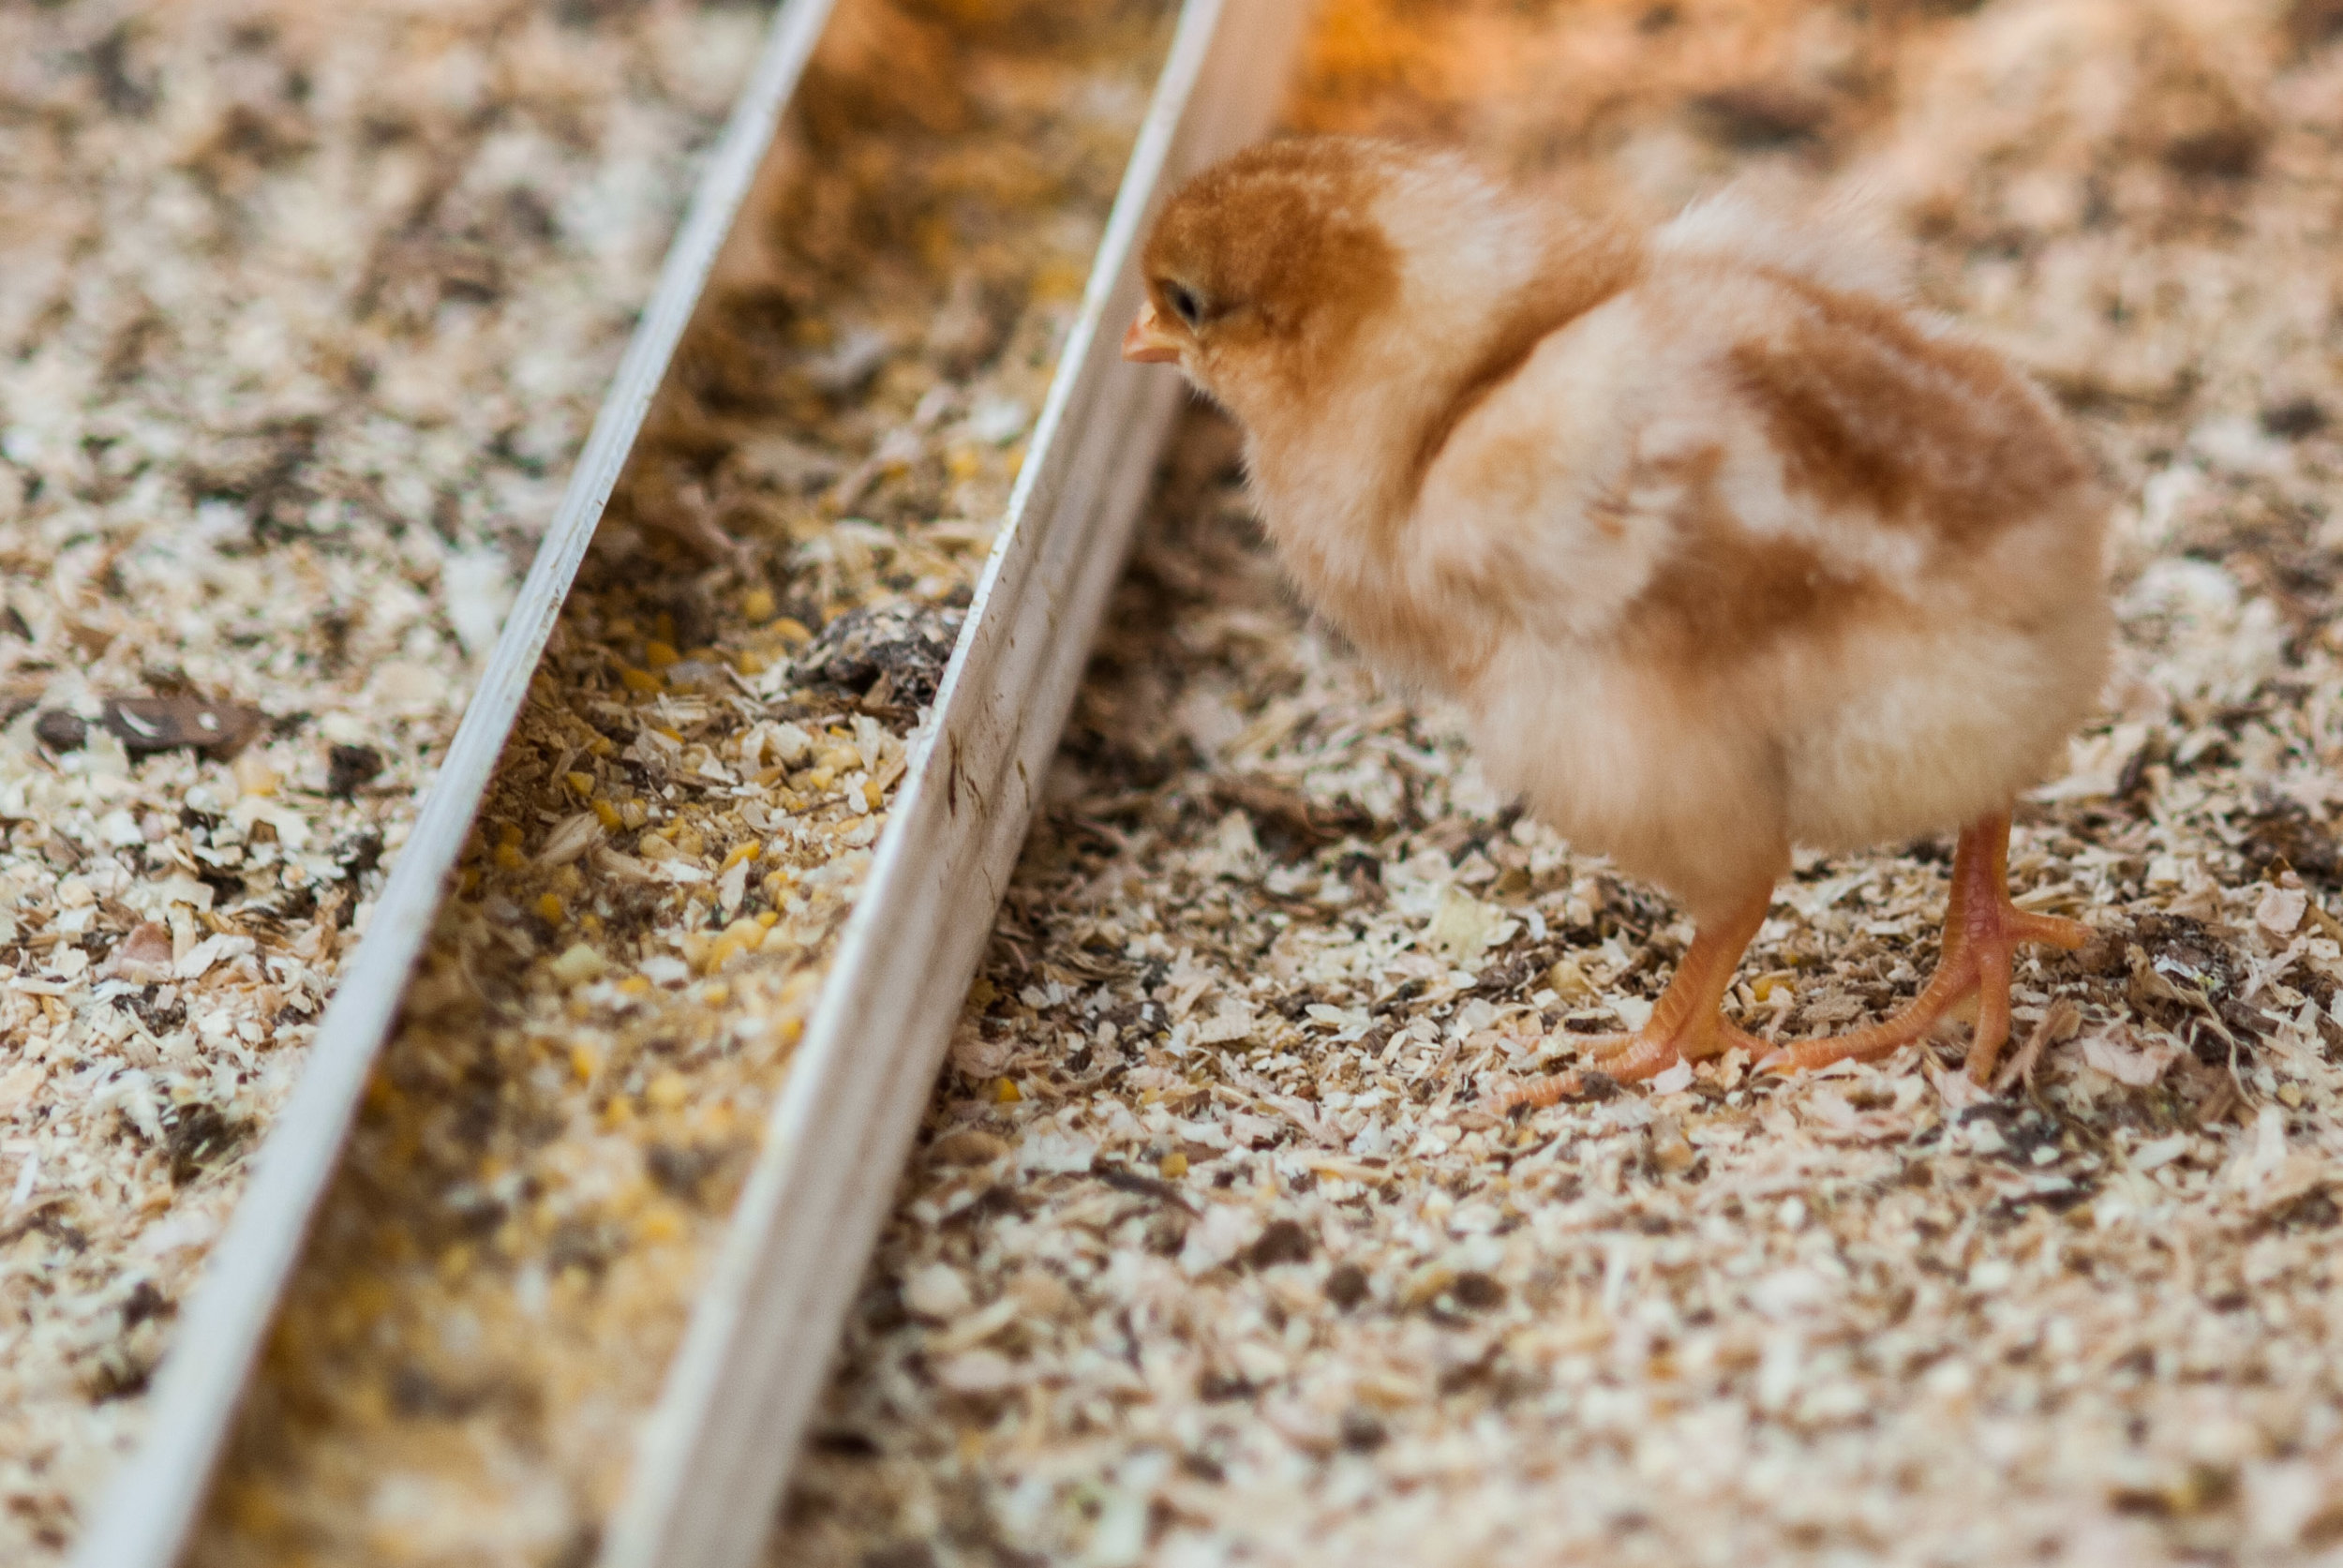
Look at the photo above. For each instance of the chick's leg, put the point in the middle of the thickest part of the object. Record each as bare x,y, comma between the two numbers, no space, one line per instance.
1982,933
1685,1022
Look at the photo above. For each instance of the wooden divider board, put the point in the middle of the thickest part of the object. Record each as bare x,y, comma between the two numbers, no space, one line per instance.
716,1451
716,1455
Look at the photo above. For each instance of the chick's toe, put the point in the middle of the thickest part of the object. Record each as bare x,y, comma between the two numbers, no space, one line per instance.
1984,930
1687,1023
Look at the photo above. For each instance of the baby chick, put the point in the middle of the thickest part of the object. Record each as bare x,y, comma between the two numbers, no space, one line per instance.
1720,548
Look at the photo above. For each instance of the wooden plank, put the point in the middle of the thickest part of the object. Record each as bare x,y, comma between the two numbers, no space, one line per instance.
717,1451
151,1505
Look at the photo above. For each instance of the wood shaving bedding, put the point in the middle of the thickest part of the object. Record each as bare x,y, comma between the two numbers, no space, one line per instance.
607,1008
1211,1254
303,312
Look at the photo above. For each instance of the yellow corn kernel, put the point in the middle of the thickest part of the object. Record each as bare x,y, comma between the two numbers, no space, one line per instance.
666,1091
757,605
619,1113
1173,1165
254,776
716,993
791,631
659,655
584,1060
721,952
1006,1093
634,985
368,1300
471,885
1059,278
632,813
767,917
963,461
509,857
580,783
748,663
577,965
369,1404
820,779
742,852
639,681
590,923
568,881
607,813
937,243
873,796
508,832
599,746
660,1224
550,906
791,1031
254,1510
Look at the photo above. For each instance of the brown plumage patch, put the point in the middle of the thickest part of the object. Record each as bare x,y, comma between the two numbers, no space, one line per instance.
1724,594
1870,415
1589,267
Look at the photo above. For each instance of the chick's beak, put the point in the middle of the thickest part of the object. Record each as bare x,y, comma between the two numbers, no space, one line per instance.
1147,343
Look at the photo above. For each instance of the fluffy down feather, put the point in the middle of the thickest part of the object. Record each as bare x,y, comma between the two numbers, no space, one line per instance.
1722,548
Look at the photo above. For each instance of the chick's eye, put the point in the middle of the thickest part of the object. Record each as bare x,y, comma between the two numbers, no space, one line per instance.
1184,304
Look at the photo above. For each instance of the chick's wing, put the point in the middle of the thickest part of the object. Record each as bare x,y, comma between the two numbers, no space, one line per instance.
1558,493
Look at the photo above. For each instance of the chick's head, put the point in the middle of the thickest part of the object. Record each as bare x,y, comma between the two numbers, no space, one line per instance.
1262,267
1285,270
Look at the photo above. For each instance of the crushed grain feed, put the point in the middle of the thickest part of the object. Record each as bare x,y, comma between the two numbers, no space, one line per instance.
550,1149
303,313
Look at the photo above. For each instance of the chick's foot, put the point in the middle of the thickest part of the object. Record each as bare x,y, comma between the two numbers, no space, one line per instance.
1685,1023
1983,931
